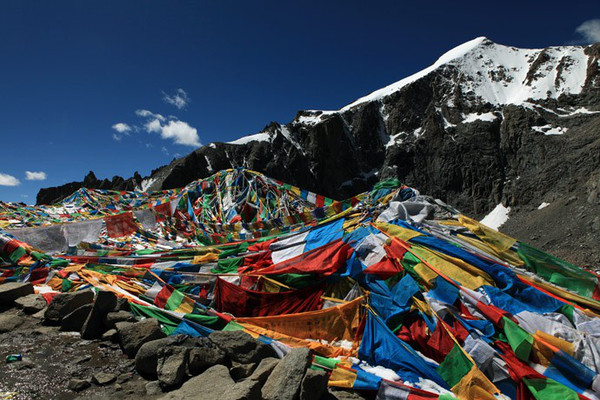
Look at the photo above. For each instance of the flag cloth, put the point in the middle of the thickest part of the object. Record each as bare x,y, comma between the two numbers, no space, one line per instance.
172,299
331,324
324,260
120,225
557,271
233,299
379,346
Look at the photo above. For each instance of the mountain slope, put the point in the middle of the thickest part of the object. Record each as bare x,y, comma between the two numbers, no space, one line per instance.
485,124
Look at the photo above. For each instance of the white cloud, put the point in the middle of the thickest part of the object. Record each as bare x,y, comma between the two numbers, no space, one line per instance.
8,180
149,114
180,99
181,133
35,176
122,127
153,125
117,137
590,31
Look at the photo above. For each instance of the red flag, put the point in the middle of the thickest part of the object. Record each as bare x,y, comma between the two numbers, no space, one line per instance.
242,302
324,260
120,225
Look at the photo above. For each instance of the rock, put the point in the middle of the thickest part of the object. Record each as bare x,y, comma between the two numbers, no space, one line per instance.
31,304
153,388
340,394
93,327
9,322
111,318
285,380
110,335
240,371
134,335
78,385
11,291
245,390
22,365
264,369
122,378
65,303
201,358
122,305
82,359
40,314
73,321
171,366
241,347
212,384
314,384
146,359
103,378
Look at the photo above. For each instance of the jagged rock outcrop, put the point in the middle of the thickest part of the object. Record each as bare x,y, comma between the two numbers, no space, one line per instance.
53,194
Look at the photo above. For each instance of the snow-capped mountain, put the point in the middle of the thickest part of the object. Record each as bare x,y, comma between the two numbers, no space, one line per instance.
485,124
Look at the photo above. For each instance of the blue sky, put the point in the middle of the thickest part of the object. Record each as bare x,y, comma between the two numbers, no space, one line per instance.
70,71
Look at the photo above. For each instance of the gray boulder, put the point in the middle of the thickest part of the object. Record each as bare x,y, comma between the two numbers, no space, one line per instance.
9,322
314,384
172,366
111,318
122,304
78,385
153,388
103,378
65,303
110,335
240,371
146,359
340,394
285,381
202,358
133,335
241,347
264,369
93,327
212,384
11,291
31,303
73,321
245,390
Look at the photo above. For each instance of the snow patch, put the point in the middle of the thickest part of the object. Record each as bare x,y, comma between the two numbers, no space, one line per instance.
497,217
543,205
378,370
208,164
487,117
579,111
288,135
395,139
146,183
550,130
258,137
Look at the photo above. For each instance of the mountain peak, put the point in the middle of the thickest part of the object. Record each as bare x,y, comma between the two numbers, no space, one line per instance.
462,50
500,74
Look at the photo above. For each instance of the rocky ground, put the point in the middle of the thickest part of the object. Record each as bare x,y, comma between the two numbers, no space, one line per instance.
80,345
